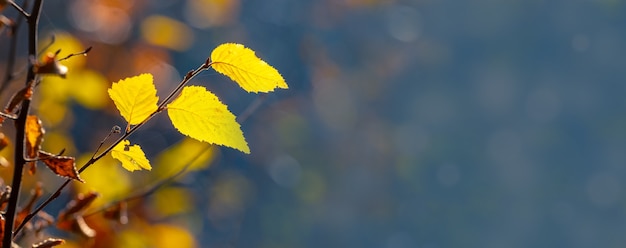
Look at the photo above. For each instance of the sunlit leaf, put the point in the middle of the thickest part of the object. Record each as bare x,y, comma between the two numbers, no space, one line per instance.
48,243
135,97
61,165
34,135
132,157
244,67
198,114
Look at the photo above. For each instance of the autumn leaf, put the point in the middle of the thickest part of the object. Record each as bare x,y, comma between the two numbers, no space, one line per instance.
132,157
71,218
61,165
135,97
244,67
34,136
198,114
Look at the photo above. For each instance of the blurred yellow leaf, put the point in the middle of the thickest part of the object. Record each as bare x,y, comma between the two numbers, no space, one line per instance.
193,154
165,236
166,32
67,44
244,67
135,97
198,114
132,157
91,93
172,201
105,177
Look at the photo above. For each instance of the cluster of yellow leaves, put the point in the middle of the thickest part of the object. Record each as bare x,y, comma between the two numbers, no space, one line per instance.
196,112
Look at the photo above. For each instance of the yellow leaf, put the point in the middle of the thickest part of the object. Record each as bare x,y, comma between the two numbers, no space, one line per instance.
132,157
34,135
198,114
166,32
135,97
106,178
188,153
244,67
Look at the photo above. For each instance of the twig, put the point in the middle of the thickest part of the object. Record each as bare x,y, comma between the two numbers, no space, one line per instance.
20,123
19,9
254,105
76,54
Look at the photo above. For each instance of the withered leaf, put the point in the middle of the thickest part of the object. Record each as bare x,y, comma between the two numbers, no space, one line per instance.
80,203
35,195
117,212
61,165
4,141
50,65
71,219
50,242
34,136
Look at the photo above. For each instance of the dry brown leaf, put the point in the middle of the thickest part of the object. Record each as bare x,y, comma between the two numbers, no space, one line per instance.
71,219
36,193
61,165
34,132
117,212
50,242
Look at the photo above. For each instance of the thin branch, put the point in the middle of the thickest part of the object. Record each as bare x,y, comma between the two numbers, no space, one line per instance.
20,124
115,129
19,9
254,105
84,53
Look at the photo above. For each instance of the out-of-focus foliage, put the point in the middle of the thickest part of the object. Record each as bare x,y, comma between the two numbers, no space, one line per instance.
407,123
166,32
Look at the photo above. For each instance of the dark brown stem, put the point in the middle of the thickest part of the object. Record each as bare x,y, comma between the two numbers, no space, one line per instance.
20,123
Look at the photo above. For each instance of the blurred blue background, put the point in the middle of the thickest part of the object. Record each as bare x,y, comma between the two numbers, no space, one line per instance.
407,123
